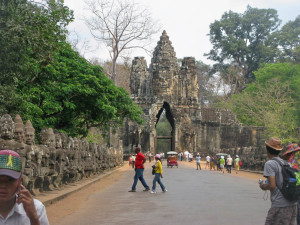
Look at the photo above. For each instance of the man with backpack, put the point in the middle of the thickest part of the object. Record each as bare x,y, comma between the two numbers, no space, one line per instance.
282,211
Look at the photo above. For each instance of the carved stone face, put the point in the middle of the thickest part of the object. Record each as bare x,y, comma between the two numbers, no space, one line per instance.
64,140
19,135
76,144
58,141
29,133
70,143
7,127
47,137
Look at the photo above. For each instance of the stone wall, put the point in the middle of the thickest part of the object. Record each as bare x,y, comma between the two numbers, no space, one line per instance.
57,159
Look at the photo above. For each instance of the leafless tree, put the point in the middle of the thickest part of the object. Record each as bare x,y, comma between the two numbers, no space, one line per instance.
122,25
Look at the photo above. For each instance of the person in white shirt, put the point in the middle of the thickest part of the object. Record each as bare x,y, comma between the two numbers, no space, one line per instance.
229,163
198,158
16,203
207,161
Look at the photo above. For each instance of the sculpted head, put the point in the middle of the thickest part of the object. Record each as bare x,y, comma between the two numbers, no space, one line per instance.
19,129
47,137
64,140
84,145
29,133
76,144
7,127
70,143
58,141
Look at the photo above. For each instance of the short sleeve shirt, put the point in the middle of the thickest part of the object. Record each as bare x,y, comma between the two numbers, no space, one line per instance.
198,158
18,215
222,161
139,160
236,161
229,161
207,158
272,168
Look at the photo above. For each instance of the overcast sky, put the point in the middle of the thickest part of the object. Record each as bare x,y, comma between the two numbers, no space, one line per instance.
185,21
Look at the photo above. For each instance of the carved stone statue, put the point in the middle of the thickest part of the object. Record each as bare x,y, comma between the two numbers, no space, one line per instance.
7,130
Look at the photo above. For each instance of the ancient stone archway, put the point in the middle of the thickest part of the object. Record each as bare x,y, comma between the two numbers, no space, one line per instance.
167,85
170,118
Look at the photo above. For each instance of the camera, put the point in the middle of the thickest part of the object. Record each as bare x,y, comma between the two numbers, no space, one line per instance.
261,181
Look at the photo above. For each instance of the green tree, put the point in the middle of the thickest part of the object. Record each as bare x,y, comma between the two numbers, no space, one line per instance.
30,34
75,96
271,101
244,40
289,40
163,128
46,80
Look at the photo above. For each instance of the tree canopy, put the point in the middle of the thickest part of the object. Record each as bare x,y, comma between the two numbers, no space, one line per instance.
244,40
289,41
49,82
271,101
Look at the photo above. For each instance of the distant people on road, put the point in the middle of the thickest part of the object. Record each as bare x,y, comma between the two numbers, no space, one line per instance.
139,170
212,163
198,160
207,162
133,160
218,163
282,211
158,175
237,164
16,203
186,155
222,163
229,163
130,160
191,157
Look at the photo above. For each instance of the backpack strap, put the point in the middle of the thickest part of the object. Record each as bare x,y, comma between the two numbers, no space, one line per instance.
280,162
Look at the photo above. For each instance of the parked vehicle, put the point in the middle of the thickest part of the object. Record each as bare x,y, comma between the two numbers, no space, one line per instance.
172,159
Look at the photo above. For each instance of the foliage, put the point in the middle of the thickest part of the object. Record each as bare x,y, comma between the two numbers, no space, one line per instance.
30,34
244,40
163,128
48,82
272,101
76,96
289,40
122,78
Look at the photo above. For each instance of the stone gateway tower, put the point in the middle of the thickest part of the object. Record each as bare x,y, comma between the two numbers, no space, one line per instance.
168,86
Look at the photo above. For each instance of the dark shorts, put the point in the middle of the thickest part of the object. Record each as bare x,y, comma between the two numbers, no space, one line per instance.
284,215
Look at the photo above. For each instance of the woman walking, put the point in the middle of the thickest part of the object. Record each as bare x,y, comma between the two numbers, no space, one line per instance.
158,174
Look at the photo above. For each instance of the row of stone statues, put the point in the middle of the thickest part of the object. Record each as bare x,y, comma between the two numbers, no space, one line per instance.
57,158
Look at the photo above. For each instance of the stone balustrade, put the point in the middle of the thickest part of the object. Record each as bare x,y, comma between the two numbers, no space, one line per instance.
57,159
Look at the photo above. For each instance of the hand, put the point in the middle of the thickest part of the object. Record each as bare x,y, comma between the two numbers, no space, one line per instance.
261,186
25,197
161,176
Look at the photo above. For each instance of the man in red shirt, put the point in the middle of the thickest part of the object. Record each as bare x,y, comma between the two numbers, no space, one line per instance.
139,170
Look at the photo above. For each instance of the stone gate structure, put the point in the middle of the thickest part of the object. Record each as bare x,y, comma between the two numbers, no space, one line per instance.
173,87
